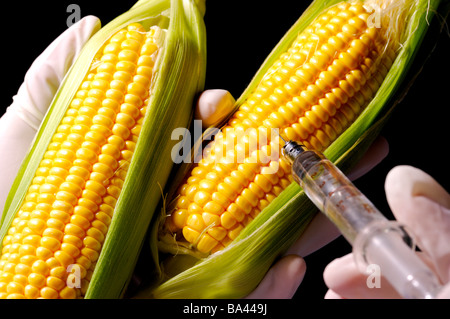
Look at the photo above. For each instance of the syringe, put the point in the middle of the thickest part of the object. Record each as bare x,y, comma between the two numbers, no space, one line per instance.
375,239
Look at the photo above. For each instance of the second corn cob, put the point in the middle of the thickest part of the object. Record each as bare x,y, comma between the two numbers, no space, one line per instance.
311,94
235,270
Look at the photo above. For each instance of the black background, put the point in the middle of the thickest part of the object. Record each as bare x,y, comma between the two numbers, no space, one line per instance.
240,35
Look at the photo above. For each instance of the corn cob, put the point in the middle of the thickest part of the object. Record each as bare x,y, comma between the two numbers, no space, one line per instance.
53,242
313,93
69,206
327,84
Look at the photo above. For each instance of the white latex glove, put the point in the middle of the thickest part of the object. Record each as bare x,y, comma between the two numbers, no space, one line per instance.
286,275
18,126
423,206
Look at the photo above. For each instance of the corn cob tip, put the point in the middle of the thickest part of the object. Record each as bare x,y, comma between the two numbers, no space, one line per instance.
213,106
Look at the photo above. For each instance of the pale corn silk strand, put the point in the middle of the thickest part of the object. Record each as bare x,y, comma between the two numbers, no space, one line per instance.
51,248
311,94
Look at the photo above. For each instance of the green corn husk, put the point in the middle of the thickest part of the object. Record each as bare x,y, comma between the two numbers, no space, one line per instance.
235,271
179,76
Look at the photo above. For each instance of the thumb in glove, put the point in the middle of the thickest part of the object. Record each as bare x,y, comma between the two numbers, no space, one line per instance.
22,119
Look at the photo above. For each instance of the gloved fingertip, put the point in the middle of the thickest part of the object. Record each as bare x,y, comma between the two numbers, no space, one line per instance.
48,70
282,280
290,272
337,270
93,23
295,266
330,294
409,181
213,106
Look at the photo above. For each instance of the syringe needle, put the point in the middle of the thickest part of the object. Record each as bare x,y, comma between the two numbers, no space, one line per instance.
279,135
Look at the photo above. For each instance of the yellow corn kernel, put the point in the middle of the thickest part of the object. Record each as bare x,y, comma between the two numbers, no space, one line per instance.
65,217
312,94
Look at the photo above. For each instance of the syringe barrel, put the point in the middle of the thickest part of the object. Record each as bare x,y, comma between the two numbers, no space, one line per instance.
334,194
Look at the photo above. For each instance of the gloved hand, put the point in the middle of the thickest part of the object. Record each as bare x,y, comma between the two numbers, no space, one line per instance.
286,275
423,206
19,124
